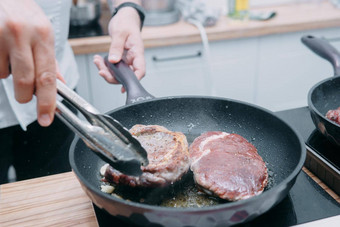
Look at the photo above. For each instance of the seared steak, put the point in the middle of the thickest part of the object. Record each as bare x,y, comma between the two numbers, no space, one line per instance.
167,154
334,115
227,165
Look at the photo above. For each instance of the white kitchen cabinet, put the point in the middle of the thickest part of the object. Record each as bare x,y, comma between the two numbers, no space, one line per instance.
178,70
105,96
287,69
83,87
273,71
234,68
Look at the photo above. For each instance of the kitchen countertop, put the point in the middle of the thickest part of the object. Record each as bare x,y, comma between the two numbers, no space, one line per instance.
289,18
58,200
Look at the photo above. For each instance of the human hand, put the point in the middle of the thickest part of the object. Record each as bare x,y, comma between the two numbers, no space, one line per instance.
126,44
27,46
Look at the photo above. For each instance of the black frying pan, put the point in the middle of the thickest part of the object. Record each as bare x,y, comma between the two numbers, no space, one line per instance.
325,95
279,145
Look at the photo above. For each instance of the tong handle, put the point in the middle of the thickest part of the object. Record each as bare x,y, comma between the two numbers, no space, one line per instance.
71,120
92,115
77,101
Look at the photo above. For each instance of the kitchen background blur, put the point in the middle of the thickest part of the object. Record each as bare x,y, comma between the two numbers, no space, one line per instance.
205,48
248,50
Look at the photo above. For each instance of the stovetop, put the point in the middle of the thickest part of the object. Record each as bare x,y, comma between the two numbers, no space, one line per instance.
306,201
91,30
315,141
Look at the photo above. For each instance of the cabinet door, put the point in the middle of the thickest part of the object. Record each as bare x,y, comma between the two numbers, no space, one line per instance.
288,69
105,96
83,87
176,70
234,64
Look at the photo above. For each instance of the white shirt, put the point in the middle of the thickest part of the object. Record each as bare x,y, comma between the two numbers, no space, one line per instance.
14,113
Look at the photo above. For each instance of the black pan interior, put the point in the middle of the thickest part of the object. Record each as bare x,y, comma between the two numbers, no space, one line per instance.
325,95
277,143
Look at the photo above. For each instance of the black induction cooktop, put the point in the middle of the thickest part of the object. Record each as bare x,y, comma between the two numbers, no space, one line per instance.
301,120
323,157
306,201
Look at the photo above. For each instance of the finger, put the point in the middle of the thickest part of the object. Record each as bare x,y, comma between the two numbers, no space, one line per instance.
135,55
117,46
108,76
139,67
4,66
99,62
45,71
103,70
137,61
4,58
59,76
22,68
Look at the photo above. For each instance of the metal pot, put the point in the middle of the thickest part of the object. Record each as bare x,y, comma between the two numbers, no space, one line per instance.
160,12
159,6
85,12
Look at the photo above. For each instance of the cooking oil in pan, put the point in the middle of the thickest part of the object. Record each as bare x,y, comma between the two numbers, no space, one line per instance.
182,194
190,196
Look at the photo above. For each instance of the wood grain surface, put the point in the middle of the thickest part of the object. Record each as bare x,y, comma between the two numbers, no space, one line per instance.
289,18
322,184
56,200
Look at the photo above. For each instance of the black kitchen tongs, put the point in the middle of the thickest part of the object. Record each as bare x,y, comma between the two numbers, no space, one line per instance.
102,134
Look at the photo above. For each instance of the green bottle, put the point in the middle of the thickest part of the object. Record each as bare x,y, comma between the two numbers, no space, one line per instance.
238,9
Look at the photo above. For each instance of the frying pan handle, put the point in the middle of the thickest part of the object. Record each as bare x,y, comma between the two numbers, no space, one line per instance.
324,49
123,73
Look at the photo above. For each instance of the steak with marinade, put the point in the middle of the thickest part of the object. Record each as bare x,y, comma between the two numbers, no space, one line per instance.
227,165
168,157
334,115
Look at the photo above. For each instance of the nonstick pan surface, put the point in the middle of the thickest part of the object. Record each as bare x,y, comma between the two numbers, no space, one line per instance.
325,95
278,144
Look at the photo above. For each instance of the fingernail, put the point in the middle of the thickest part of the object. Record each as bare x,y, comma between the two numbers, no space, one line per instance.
114,58
44,120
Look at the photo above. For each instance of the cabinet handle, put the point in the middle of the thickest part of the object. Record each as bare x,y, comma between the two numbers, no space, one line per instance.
156,59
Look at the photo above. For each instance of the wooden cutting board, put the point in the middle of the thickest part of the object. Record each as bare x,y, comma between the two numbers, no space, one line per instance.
56,200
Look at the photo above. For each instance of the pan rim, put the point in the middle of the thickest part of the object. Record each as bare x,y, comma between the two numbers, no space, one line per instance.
311,104
228,205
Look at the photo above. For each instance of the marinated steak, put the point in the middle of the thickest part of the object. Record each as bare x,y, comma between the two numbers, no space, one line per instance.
334,115
168,157
227,165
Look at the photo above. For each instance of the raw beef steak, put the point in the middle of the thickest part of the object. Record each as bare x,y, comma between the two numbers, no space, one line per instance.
334,115
227,165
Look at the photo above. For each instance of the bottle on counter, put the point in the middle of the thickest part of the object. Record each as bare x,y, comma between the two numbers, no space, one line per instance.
238,9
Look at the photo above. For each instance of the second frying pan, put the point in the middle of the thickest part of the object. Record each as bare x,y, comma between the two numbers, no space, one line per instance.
325,95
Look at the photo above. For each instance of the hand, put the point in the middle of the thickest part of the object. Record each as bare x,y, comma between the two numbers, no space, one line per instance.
126,44
27,45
